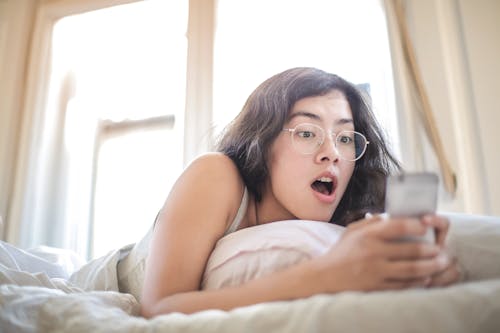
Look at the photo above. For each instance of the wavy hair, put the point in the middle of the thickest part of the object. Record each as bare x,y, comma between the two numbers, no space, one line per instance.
247,139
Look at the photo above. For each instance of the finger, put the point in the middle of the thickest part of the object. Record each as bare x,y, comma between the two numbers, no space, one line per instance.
376,216
450,275
397,228
414,269
440,224
364,222
409,250
405,284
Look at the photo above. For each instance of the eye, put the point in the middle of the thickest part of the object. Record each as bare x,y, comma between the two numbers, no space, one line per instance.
306,134
345,139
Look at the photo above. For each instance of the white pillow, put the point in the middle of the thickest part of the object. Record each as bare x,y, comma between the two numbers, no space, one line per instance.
256,251
253,252
475,241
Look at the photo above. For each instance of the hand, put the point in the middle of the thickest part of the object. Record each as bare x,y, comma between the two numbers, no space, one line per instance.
441,226
367,257
449,275
452,272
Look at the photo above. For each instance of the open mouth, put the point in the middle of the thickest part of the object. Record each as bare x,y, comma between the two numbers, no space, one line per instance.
323,185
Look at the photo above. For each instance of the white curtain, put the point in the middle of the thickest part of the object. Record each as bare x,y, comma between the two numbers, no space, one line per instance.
30,22
413,103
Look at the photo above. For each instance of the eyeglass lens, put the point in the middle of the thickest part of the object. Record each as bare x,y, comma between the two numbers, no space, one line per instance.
307,138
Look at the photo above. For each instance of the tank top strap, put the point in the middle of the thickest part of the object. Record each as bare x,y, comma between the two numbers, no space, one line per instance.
240,214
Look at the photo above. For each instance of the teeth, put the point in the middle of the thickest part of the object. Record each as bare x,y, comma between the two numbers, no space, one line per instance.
325,179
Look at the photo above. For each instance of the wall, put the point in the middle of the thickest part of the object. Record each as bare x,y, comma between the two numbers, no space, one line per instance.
481,23
457,49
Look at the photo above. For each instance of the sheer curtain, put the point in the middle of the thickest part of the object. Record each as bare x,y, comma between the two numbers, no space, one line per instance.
20,223
16,27
414,107
47,207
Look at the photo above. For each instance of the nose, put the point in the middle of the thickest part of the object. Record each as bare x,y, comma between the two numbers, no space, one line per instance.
328,151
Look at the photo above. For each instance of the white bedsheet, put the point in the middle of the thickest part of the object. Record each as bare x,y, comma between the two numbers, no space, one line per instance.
470,307
35,298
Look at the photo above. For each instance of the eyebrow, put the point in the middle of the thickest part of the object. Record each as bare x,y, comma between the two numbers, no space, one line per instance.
313,116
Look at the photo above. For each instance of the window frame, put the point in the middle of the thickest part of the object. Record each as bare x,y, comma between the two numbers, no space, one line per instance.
33,216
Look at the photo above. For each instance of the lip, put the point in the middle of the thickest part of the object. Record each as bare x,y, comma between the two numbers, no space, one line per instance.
326,198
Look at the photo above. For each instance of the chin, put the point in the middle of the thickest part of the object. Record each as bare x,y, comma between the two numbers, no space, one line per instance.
321,213
320,218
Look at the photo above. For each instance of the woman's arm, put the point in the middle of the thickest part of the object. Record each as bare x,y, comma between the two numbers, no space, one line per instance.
195,215
197,212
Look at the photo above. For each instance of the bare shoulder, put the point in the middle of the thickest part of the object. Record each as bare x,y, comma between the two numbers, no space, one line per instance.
214,170
216,163
211,185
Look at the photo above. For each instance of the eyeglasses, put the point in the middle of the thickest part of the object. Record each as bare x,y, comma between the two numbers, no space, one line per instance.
308,138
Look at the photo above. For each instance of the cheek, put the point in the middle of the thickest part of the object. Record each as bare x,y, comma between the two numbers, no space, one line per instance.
286,166
345,175
280,156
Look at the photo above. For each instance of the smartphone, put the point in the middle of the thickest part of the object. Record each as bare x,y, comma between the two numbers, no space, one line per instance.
412,195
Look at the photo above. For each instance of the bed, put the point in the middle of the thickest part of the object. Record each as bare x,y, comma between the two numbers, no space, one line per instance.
51,290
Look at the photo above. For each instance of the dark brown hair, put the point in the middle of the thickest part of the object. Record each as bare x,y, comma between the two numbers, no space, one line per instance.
248,138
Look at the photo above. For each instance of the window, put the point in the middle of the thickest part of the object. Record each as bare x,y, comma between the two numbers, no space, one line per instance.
116,105
124,70
259,38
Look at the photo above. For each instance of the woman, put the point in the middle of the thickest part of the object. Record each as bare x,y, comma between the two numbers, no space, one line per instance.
305,146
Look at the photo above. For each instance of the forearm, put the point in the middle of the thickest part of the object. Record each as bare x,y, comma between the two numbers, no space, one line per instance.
292,283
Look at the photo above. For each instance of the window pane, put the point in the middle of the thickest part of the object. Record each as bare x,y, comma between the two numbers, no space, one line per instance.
257,39
130,60
134,175
126,62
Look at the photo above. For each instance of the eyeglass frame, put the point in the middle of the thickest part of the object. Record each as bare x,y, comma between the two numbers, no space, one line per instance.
292,130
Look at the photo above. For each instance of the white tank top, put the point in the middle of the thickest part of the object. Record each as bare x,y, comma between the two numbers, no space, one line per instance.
240,214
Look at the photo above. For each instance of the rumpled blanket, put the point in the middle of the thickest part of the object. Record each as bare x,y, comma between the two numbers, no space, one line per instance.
37,295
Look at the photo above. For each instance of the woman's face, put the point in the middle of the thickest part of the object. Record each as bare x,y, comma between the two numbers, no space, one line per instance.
310,186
